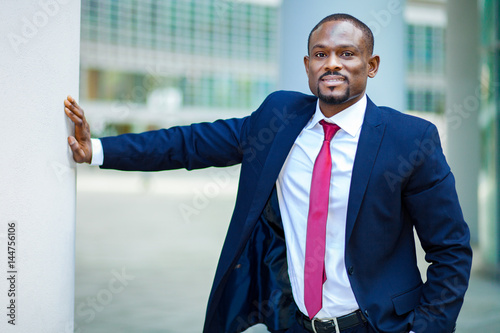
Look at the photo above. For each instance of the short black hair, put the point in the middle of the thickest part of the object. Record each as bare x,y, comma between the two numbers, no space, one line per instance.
368,35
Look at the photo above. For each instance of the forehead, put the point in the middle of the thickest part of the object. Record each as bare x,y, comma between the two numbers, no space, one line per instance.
335,33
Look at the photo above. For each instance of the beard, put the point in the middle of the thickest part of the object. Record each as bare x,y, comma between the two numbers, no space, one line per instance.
334,100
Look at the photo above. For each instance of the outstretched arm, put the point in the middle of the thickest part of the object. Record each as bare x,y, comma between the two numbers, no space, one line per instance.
192,147
196,146
80,143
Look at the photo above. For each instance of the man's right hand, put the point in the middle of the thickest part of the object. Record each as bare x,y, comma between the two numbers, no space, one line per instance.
80,144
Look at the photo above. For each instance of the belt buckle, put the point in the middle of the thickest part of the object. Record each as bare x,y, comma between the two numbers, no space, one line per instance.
337,329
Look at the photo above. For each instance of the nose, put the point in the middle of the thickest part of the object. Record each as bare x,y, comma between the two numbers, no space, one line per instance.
333,63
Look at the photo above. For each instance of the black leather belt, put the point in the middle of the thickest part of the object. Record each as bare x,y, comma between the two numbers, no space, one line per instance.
328,326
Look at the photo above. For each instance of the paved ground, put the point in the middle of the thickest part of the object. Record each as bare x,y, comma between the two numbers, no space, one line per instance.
147,246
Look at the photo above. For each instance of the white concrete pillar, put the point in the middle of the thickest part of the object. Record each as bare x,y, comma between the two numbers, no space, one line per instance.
39,66
462,105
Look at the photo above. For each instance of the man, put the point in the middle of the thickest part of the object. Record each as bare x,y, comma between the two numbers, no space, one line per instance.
302,256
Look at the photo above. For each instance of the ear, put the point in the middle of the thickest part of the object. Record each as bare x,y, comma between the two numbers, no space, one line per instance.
306,64
373,65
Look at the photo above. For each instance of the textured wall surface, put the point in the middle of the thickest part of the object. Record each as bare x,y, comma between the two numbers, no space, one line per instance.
39,66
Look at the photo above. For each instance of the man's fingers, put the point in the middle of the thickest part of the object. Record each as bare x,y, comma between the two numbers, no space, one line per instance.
71,104
74,118
78,152
80,143
74,145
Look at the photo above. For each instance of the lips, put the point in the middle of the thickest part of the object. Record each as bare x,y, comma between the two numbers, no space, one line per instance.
333,79
330,78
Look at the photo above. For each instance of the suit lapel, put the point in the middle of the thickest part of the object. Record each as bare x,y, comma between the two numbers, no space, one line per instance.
370,138
277,155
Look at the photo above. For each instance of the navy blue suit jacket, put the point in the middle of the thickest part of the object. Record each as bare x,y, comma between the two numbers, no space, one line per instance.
400,182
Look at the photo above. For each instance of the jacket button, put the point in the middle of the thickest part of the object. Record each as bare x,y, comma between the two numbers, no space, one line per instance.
350,270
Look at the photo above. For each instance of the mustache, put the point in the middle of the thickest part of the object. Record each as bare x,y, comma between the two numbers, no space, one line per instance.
333,73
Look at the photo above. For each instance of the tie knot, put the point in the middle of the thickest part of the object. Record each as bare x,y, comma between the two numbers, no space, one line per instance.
330,129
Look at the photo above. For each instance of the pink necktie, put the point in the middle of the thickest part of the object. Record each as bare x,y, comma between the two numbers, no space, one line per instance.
314,266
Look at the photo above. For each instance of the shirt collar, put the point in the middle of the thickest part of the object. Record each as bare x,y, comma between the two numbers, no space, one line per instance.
350,119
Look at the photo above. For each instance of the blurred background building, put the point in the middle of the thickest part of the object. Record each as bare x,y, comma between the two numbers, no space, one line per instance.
425,38
153,63
156,63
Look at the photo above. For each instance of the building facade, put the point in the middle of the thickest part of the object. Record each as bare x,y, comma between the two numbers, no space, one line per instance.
425,38
210,55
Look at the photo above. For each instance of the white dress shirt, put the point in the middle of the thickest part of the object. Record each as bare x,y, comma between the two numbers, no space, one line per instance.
294,184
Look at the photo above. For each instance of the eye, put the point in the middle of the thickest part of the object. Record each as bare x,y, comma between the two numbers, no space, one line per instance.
320,54
347,54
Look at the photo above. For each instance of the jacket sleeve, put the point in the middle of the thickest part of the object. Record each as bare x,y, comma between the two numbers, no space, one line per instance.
431,199
191,147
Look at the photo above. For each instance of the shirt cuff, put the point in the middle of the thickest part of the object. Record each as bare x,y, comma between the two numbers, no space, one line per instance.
97,153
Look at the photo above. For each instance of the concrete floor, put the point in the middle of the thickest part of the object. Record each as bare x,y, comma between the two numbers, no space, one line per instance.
147,246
